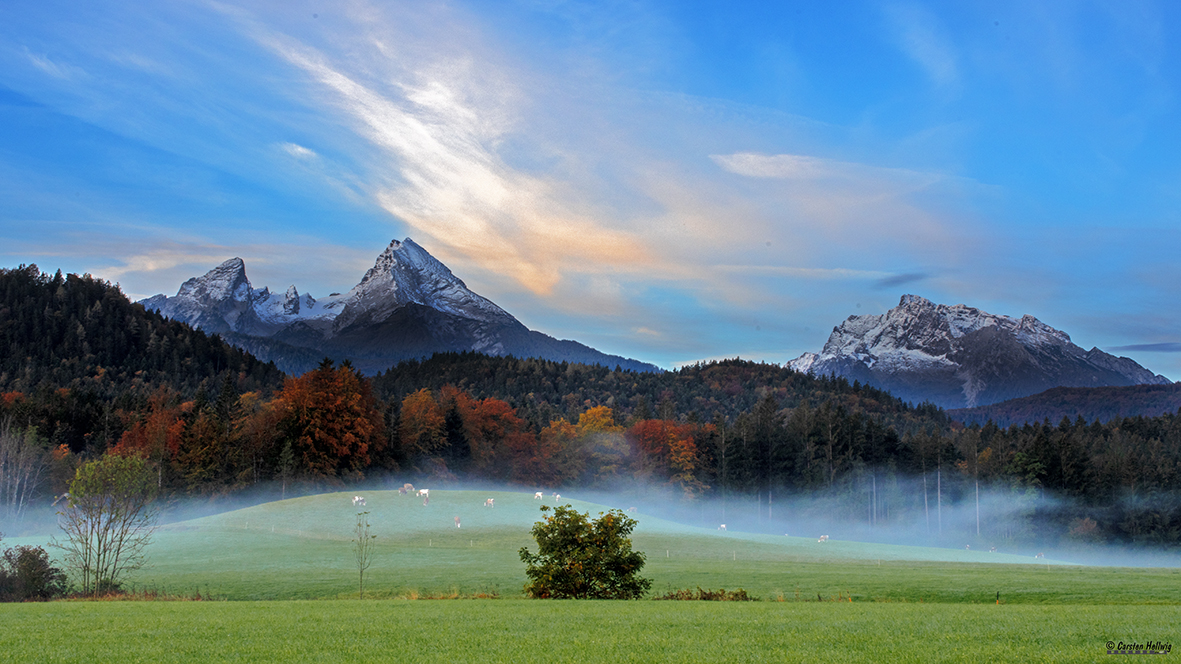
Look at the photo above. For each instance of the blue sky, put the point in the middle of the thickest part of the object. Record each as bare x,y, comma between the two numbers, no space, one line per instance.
671,181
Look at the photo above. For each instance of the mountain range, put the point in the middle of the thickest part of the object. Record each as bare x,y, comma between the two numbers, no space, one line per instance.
961,357
408,305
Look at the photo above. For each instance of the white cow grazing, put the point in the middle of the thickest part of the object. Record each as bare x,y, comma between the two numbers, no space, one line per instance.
722,527
537,496
424,492
489,503
358,500
823,538
456,522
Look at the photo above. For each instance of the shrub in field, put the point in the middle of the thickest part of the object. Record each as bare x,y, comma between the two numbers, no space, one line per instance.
363,546
708,595
580,558
27,575
108,521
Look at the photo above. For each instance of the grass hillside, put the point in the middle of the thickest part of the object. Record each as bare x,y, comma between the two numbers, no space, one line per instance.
300,549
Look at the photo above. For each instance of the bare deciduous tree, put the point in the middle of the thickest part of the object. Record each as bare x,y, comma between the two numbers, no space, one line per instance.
108,521
23,462
363,547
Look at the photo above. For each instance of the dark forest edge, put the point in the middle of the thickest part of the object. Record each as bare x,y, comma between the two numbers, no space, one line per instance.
90,373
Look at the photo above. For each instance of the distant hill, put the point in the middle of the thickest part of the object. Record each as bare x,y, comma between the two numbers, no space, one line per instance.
543,390
1091,403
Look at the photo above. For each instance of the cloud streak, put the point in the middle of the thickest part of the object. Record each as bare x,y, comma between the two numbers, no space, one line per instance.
1164,347
918,33
451,184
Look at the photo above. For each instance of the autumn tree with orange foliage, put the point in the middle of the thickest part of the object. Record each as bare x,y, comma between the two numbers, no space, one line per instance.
156,435
668,451
420,427
456,433
559,443
331,419
603,445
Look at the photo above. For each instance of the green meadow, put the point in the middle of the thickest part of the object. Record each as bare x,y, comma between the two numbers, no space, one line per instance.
880,602
301,549
559,631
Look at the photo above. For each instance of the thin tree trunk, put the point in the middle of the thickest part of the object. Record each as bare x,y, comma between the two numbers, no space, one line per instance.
939,498
926,503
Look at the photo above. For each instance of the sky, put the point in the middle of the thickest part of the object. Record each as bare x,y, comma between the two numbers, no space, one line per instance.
669,181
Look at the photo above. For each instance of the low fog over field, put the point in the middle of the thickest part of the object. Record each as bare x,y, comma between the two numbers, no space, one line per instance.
1017,524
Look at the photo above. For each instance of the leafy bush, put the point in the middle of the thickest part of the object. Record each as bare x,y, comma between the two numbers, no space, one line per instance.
708,595
578,558
27,575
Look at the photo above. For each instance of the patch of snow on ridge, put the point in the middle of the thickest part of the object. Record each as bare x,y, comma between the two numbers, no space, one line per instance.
803,363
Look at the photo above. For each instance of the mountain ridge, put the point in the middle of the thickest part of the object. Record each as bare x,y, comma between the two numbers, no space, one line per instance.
408,305
960,357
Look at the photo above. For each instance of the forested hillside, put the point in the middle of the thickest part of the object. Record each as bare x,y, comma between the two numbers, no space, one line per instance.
73,349
542,390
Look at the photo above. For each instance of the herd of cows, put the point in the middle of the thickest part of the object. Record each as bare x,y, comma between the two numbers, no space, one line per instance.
425,494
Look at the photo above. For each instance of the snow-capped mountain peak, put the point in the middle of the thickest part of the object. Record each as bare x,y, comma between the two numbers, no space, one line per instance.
405,273
291,301
225,282
223,300
407,305
959,355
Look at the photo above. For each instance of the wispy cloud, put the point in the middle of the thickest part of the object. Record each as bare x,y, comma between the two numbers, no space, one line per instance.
298,151
896,280
918,33
802,272
58,70
452,185
1165,347
804,167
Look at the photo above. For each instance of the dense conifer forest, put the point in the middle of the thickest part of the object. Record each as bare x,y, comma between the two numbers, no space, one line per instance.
84,372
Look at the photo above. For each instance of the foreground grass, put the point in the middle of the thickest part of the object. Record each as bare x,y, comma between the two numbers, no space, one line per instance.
549,631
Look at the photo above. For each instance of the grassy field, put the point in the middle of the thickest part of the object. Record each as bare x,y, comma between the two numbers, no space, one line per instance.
556,631
881,603
300,549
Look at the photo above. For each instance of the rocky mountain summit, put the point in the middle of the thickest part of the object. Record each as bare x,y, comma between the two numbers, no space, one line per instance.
959,356
408,305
